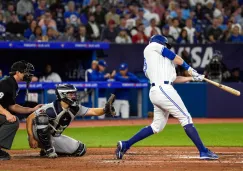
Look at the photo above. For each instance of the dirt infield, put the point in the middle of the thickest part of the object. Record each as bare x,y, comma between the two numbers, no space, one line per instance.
153,158
137,159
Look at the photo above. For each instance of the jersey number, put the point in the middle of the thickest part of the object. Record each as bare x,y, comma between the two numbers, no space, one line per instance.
1,95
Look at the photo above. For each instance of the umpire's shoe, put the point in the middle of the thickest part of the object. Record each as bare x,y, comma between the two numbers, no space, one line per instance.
4,155
121,149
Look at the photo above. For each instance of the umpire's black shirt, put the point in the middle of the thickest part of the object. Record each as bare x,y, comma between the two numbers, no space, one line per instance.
8,91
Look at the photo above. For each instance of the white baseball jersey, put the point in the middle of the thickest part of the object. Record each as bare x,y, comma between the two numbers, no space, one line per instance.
158,68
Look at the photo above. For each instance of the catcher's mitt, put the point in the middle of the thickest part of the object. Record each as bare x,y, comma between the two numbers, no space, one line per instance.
109,109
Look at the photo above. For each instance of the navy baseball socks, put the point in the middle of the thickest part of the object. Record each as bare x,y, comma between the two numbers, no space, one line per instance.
193,135
123,146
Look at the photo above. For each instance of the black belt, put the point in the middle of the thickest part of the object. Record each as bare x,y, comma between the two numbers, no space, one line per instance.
165,82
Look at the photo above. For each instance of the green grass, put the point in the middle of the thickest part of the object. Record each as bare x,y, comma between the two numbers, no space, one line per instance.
173,135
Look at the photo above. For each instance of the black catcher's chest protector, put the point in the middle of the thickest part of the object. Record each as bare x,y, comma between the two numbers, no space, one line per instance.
59,118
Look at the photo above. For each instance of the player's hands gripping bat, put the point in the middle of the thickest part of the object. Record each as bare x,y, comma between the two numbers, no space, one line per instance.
192,72
198,78
195,75
109,108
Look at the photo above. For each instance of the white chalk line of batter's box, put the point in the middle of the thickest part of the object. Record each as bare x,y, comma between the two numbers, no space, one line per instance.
169,152
171,161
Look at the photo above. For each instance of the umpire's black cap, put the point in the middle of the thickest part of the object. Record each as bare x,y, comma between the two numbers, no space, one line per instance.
22,66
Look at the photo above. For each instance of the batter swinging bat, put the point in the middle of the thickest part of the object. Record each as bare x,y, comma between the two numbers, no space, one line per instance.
224,87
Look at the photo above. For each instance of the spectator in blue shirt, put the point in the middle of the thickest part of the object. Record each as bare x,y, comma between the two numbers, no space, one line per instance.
102,76
71,16
235,36
140,15
41,9
86,3
37,35
28,32
47,22
121,103
185,12
183,38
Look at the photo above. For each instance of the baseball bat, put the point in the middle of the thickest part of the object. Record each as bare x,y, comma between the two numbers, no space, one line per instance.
224,87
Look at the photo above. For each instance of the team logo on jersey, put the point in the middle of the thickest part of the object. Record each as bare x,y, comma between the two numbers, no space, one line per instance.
145,66
73,18
1,95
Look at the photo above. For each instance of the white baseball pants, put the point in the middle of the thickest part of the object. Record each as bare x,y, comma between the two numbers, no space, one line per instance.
122,106
167,101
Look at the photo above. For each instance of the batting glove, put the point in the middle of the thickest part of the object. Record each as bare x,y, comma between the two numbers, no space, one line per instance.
192,72
198,78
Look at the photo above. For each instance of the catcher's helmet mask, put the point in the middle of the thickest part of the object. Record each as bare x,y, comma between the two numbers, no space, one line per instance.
68,94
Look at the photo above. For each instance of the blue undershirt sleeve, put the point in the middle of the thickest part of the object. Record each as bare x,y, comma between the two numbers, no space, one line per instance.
168,53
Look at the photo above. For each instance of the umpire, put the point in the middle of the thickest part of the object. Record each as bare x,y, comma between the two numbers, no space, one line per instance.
9,124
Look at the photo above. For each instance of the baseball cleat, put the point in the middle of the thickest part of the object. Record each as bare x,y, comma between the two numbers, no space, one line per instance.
50,153
121,149
4,155
42,153
209,155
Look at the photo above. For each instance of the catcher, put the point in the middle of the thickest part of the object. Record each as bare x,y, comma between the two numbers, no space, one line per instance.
45,125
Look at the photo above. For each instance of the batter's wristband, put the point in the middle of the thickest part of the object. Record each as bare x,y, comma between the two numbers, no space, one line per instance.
185,65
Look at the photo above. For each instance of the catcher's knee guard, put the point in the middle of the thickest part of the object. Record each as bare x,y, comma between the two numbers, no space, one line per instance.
43,133
81,150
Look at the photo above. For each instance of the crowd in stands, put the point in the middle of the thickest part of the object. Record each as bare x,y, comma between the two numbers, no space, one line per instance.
122,21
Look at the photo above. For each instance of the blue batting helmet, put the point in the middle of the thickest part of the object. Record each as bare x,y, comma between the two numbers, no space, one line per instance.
161,40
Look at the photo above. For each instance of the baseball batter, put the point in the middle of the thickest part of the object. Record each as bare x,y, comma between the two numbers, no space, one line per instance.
159,67
46,125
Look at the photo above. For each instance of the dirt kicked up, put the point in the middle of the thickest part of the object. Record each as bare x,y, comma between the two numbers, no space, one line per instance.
145,158
137,159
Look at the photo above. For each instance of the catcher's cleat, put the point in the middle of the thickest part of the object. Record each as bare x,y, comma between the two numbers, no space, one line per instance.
121,149
50,153
209,155
42,153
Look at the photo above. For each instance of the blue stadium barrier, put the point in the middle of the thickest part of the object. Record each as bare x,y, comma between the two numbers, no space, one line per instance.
201,99
54,45
141,87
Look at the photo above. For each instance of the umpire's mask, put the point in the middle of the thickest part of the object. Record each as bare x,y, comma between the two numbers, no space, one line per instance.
24,67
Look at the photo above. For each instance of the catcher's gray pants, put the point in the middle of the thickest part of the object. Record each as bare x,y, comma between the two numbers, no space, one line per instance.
62,144
7,131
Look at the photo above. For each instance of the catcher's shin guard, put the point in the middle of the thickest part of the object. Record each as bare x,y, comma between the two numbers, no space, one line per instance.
43,133
81,150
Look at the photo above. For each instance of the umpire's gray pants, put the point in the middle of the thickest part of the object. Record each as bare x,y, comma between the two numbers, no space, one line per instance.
7,131
62,144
